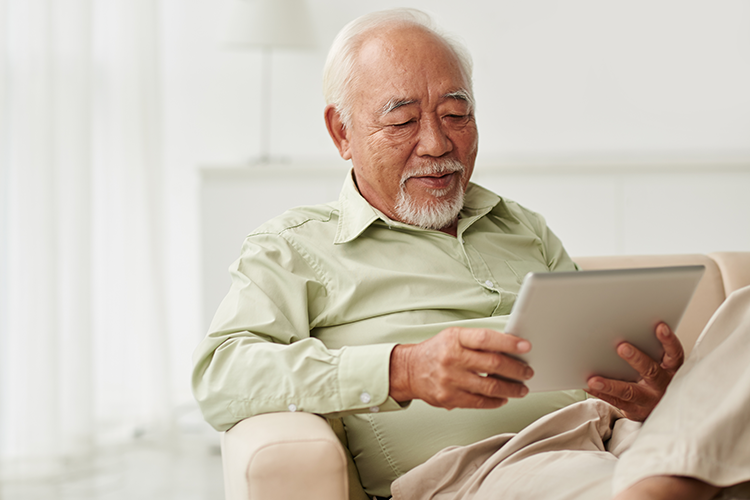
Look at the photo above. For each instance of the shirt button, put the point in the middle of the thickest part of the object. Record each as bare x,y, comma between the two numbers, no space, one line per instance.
374,409
365,397
489,284
292,407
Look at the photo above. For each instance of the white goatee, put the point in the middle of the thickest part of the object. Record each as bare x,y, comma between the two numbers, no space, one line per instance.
442,211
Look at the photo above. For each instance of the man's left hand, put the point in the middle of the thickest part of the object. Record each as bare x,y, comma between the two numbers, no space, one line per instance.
638,399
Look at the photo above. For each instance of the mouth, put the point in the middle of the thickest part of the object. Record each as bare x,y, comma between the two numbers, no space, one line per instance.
435,181
437,177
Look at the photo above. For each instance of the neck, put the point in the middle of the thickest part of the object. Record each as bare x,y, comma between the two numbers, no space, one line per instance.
451,229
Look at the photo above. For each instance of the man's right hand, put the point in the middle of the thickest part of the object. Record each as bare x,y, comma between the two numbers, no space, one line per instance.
448,370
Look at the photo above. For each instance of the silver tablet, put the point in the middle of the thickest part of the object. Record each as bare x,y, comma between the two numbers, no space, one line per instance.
575,320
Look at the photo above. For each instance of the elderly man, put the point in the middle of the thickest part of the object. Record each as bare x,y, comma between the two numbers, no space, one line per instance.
386,308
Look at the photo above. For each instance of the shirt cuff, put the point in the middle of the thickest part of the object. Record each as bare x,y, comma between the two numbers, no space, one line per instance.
364,378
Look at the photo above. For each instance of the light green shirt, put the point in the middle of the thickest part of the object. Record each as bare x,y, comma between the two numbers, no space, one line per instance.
319,297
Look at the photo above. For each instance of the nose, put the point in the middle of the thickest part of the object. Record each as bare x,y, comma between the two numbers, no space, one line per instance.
433,141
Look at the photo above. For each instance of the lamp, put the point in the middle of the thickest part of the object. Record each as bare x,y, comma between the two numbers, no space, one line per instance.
267,24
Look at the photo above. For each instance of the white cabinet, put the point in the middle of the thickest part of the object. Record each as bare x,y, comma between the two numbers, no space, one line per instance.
236,200
595,210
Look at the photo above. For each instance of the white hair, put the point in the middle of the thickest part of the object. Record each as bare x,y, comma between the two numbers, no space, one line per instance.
338,73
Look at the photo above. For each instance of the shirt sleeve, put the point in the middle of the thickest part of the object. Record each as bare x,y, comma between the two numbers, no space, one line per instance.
557,258
259,357
556,255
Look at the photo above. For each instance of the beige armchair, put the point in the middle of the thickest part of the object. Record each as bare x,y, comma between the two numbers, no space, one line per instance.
302,456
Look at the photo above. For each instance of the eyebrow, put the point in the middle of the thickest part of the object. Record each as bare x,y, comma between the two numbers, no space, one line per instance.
395,103
461,95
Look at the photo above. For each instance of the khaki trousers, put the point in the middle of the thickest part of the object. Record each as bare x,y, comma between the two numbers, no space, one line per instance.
588,451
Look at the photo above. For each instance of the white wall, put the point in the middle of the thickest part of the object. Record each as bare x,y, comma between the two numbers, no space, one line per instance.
641,85
663,79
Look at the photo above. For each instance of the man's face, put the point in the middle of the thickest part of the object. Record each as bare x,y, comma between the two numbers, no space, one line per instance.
412,137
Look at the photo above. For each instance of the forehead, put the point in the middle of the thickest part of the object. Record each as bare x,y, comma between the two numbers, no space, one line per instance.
405,63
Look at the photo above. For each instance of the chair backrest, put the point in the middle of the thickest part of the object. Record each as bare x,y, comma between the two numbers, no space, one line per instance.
735,269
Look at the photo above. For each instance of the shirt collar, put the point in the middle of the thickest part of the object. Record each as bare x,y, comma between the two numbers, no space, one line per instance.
479,201
356,214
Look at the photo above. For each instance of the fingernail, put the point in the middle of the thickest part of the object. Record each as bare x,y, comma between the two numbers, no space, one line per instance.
528,373
523,346
524,390
663,330
596,385
627,351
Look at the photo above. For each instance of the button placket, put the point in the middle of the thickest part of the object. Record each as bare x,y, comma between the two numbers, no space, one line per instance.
482,274
478,266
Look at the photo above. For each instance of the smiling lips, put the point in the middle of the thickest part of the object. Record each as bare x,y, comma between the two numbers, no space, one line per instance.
435,181
436,175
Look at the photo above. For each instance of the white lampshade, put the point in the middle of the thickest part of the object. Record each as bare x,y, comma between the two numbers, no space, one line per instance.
267,23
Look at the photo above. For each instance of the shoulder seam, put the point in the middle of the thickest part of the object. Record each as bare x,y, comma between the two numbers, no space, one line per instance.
297,225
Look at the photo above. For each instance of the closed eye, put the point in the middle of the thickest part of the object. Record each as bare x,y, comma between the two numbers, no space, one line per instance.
403,124
458,117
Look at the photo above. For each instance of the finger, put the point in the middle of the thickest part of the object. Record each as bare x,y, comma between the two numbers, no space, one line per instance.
484,339
471,400
674,354
496,364
501,387
471,391
630,410
648,368
627,392
494,387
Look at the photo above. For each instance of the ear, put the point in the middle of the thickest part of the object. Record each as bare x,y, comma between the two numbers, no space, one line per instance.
338,132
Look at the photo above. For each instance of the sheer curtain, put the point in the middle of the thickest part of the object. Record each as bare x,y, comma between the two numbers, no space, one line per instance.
84,344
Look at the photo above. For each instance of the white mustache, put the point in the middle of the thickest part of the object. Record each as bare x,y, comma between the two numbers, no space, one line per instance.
435,167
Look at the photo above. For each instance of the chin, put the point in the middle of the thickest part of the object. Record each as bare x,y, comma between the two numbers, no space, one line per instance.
437,212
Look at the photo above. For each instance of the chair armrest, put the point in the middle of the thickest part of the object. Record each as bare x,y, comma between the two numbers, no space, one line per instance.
282,456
